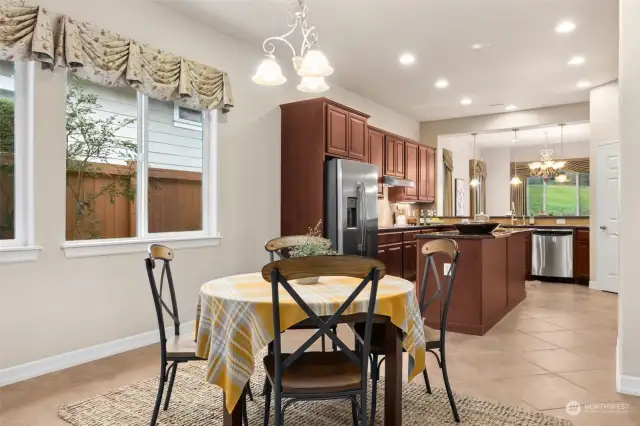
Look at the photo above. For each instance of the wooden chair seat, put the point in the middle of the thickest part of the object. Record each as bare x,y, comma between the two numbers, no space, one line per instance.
182,346
317,372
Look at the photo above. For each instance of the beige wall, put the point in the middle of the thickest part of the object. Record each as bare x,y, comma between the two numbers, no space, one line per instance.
629,86
57,305
604,128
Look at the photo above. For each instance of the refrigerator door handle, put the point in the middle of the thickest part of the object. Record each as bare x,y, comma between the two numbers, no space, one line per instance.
362,204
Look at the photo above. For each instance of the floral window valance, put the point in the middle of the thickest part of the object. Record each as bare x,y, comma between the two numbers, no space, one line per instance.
109,59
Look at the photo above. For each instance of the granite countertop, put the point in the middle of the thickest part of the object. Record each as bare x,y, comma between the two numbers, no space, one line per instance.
411,227
548,226
458,236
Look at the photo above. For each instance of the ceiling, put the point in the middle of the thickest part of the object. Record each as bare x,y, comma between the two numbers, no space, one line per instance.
525,64
573,133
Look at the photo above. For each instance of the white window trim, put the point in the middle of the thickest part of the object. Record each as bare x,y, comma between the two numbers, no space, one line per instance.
23,247
207,237
181,122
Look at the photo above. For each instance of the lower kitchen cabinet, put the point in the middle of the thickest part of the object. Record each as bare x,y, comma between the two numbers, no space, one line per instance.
391,256
581,256
409,260
527,246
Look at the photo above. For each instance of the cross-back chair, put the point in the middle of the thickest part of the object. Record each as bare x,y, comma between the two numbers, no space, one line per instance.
305,375
435,339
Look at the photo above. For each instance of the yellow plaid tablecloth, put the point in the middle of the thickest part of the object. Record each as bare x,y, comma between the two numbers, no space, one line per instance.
234,321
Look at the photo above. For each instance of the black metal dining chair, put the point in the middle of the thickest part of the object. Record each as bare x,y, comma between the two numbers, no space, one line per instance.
176,349
305,375
449,249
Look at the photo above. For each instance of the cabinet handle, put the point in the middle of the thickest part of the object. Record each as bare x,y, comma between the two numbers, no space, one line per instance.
394,249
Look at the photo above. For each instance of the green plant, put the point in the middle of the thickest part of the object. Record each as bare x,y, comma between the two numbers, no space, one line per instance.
313,244
92,143
7,169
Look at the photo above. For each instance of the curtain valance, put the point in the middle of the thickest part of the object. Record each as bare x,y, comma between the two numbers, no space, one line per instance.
110,59
447,157
477,168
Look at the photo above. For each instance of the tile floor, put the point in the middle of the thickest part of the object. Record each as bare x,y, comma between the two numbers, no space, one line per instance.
557,346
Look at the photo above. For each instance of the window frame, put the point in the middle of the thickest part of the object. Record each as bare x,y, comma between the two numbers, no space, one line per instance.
184,123
22,247
207,237
576,185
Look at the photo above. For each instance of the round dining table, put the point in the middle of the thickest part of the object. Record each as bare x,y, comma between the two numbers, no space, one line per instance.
234,323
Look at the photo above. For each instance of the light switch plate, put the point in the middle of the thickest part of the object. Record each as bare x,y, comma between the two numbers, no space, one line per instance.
447,268
560,221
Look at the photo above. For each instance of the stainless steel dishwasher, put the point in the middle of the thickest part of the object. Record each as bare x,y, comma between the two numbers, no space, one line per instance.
552,253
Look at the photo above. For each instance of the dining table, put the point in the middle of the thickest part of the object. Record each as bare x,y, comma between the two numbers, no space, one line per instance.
234,323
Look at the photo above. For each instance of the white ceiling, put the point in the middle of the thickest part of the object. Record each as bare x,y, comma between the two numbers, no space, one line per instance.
525,64
573,133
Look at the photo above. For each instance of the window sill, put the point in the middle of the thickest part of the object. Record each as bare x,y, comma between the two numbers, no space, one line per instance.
93,248
19,254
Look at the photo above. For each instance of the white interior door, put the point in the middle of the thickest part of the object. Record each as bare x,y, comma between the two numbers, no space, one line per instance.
607,177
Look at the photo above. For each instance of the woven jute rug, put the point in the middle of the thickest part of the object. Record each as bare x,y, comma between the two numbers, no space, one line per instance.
197,403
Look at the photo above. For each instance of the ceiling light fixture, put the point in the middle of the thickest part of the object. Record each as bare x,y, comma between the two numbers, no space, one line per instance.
583,84
576,60
466,101
515,180
479,46
511,107
546,168
442,83
474,182
565,27
310,64
407,59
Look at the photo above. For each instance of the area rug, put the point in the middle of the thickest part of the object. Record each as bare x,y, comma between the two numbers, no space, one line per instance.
197,403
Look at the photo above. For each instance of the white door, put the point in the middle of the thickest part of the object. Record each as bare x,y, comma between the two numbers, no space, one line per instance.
607,176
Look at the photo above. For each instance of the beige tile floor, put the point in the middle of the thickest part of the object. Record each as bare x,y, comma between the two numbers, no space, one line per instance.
557,346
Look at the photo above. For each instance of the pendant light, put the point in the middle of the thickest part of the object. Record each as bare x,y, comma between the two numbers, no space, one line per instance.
474,182
515,180
561,177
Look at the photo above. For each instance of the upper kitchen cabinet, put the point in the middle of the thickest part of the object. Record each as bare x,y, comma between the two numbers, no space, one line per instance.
346,133
376,154
426,174
394,156
419,167
411,169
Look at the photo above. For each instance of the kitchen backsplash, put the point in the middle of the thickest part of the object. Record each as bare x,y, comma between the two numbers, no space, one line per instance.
386,209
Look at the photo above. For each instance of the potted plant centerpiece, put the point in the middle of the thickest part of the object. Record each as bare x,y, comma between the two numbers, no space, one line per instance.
313,244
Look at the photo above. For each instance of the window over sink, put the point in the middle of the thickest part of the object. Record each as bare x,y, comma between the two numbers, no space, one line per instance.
570,198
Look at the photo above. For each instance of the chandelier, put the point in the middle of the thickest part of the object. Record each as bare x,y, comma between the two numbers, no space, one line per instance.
546,168
310,63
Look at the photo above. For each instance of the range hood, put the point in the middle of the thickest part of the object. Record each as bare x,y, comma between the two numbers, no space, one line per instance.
396,182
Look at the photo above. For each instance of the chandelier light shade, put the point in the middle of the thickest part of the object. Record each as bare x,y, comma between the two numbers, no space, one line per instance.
515,180
474,182
313,85
309,62
269,72
545,168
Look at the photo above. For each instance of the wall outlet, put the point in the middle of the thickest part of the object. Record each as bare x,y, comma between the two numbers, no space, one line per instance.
561,221
446,269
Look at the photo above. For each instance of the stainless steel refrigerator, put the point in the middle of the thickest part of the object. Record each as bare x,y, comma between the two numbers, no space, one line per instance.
351,207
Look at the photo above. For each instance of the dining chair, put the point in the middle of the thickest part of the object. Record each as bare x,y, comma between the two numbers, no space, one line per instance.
176,349
435,338
305,375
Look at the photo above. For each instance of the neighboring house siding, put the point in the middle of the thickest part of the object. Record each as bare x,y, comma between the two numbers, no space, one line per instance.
170,147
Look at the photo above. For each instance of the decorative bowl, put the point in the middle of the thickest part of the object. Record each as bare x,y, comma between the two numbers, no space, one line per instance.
477,228
306,281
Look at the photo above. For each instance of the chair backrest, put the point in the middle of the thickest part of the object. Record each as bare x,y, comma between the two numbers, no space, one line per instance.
277,245
444,247
159,253
280,272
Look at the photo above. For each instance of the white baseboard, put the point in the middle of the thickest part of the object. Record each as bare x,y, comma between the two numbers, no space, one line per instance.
629,385
40,367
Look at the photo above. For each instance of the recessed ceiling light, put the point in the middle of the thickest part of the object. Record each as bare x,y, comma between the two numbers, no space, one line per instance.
576,60
479,46
407,59
466,101
583,84
443,83
565,27
510,107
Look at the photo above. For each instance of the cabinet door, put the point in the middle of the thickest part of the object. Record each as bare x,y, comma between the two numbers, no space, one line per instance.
431,174
376,155
422,173
389,156
358,138
399,160
337,123
581,256
411,169
394,263
409,257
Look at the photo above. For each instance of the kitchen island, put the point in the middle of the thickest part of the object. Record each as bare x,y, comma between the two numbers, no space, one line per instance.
489,282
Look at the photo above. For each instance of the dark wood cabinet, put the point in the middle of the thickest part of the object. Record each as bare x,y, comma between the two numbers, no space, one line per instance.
411,169
400,158
409,259
337,123
358,144
527,254
394,156
581,263
376,154
394,259
419,167
431,175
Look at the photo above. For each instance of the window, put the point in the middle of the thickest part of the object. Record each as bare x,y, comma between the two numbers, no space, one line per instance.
132,176
570,198
16,162
187,118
